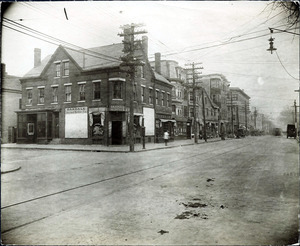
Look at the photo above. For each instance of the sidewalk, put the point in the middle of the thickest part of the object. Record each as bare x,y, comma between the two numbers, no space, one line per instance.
103,148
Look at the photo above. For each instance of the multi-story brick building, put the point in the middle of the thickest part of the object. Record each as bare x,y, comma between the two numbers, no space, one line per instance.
177,77
10,101
216,86
238,109
83,96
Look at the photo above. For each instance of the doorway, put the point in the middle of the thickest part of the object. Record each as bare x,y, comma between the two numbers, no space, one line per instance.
31,128
116,132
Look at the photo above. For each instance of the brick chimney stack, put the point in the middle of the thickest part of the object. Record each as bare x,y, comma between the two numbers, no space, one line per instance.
37,57
157,65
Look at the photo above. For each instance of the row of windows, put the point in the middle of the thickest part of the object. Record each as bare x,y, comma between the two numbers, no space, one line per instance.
162,98
67,93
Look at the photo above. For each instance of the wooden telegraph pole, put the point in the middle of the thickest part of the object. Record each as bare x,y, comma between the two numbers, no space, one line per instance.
194,73
130,62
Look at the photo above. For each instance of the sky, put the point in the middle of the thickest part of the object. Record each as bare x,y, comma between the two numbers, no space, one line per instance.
229,38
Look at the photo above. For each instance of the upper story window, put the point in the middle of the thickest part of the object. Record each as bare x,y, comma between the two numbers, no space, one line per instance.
143,94
54,94
57,69
29,96
81,91
234,97
96,89
117,89
68,92
66,69
162,98
168,99
174,109
191,97
150,96
143,72
156,96
41,95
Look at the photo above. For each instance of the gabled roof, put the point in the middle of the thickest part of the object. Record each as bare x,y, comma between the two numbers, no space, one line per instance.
98,57
93,58
36,71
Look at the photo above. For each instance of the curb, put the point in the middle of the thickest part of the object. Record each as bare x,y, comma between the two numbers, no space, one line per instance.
107,151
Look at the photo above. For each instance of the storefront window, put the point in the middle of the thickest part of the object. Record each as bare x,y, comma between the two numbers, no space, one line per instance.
22,125
41,125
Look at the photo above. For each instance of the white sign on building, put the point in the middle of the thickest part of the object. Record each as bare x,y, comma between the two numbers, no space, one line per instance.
76,122
149,121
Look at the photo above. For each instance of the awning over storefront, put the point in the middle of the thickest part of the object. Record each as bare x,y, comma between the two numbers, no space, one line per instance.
167,120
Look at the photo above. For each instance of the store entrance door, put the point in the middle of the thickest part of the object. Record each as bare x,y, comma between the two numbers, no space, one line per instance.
116,132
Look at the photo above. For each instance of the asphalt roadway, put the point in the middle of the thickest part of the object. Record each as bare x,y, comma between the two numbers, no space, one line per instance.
237,192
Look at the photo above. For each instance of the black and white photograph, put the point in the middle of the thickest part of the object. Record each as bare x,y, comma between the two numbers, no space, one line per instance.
150,123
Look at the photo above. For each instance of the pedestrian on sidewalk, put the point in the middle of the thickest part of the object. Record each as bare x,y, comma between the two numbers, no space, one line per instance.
222,131
166,137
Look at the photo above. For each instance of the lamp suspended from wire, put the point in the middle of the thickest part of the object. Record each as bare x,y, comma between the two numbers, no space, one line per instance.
271,39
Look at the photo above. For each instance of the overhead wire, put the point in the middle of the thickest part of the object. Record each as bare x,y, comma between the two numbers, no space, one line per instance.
284,67
53,39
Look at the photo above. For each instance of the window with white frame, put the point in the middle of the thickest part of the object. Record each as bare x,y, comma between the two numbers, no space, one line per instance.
66,69
41,91
54,94
117,89
96,90
156,96
29,96
162,98
81,91
68,93
150,96
143,94
57,69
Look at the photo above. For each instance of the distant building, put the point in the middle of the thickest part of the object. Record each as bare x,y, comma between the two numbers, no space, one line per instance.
238,109
83,96
217,87
11,95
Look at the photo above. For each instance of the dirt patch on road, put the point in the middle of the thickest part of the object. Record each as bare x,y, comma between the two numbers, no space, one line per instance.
194,205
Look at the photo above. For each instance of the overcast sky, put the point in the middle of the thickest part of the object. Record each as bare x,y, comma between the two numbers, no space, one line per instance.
230,38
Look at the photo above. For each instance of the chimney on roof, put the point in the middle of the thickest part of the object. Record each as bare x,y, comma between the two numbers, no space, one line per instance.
37,57
157,66
145,44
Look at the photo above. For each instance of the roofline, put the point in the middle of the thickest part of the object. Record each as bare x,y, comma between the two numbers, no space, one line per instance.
239,90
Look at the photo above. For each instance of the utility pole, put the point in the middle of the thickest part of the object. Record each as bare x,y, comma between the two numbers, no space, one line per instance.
255,115
203,113
130,62
296,126
194,73
232,127
246,111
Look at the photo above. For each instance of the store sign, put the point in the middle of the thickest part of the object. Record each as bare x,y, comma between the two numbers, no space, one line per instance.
76,122
117,108
77,110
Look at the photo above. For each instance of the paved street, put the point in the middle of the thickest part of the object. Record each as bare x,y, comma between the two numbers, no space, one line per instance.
238,192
